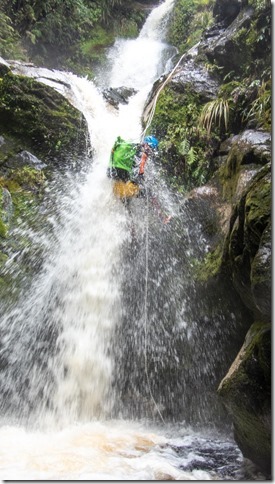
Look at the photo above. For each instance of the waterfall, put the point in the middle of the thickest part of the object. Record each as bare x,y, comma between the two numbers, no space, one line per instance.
59,335
106,337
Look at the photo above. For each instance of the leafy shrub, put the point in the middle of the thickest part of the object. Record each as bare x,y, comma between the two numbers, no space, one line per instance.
185,148
188,20
261,108
9,39
66,32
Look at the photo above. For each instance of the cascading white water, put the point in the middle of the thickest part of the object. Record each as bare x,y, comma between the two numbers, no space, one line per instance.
76,303
86,249
91,306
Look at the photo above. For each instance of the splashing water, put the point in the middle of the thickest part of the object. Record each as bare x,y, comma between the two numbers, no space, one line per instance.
60,343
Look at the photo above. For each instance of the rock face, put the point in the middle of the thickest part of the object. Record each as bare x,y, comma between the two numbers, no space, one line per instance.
234,208
221,45
190,76
227,10
245,183
246,391
248,245
40,118
119,95
245,177
39,131
196,75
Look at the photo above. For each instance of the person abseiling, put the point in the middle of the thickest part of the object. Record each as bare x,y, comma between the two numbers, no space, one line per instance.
127,165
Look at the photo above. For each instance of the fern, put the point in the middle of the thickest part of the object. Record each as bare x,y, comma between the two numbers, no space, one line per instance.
191,156
188,152
184,147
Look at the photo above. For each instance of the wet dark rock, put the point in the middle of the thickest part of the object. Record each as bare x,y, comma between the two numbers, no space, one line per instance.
246,392
40,119
220,44
261,277
246,154
255,146
245,189
220,458
190,77
196,77
119,95
4,67
212,213
25,158
227,10
248,244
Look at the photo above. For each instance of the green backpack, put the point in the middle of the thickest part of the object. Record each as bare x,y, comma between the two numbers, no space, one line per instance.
123,155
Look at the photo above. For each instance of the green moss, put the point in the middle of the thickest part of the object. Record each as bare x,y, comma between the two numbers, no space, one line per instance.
258,202
185,148
229,173
187,22
3,229
211,266
27,178
257,211
39,116
93,49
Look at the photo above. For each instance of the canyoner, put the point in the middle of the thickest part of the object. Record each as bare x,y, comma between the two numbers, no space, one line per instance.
127,166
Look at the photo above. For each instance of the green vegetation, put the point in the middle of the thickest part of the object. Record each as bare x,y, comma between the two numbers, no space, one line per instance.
261,110
184,155
29,111
9,39
189,19
209,267
191,131
68,33
215,113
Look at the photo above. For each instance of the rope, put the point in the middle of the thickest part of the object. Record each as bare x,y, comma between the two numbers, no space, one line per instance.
145,305
152,111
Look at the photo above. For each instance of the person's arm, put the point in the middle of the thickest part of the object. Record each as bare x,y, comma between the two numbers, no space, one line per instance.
142,164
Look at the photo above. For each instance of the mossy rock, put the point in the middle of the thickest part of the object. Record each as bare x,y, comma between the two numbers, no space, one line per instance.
261,274
257,210
40,117
247,153
246,242
3,230
185,153
246,392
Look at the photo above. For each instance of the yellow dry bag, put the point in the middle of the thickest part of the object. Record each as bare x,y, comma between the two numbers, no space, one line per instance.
125,189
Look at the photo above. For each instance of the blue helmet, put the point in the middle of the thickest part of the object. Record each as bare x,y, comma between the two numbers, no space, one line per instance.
151,141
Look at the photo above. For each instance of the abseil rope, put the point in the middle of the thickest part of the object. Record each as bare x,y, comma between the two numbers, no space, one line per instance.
145,304
152,111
